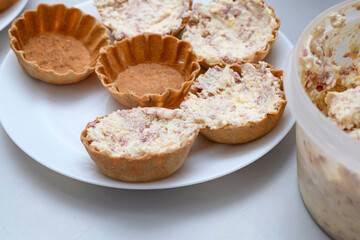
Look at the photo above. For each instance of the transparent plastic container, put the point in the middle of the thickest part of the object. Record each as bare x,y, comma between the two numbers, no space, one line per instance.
328,159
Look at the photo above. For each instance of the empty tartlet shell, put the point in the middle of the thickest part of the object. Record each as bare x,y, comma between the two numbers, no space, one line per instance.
230,134
147,48
63,20
146,168
172,32
257,56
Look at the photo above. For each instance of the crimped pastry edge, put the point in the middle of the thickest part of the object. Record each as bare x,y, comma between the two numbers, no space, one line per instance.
230,134
172,32
49,75
257,56
171,97
146,168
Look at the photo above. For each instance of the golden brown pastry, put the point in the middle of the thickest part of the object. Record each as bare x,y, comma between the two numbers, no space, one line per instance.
148,70
140,144
238,103
56,44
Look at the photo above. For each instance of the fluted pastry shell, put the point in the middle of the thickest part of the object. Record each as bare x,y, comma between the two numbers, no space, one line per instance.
58,19
145,168
147,48
253,58
257,56
117,18
252,130
141,169
243,134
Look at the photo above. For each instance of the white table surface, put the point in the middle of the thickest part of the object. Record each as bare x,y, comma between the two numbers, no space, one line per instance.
261,201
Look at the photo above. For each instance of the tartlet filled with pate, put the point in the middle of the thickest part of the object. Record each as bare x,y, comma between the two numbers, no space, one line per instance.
140,144
227,31
128,18
238,103
56,44
148,70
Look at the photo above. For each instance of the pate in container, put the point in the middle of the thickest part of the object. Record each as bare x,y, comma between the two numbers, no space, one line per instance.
322,86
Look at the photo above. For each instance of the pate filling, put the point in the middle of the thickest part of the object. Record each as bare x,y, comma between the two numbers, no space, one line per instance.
230,30
128,18
149,78
344,108
58,52
222,96
141,131
329,69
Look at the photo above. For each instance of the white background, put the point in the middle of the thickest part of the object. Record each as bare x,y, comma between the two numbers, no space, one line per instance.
261,201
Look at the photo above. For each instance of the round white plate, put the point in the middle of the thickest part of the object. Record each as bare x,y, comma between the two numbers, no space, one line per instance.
9,14
45,121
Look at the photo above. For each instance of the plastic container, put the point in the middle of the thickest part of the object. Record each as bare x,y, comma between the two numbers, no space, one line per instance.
328,159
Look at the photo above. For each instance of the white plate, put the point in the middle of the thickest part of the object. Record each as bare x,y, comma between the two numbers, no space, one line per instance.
45,121
9,14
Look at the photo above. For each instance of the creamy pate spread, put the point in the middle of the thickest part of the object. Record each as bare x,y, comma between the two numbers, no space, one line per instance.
54,51
329,68
222,96
344,108
140,131
128,18
231,31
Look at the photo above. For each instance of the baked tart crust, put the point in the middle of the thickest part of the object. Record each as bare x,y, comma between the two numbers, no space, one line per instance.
238,126
147,49
57,26
128,18
129,160
224,32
